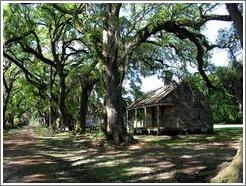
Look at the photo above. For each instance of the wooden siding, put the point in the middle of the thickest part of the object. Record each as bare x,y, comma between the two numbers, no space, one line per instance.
183,108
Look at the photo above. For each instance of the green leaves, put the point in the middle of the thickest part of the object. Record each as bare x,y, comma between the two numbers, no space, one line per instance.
48,39
224,104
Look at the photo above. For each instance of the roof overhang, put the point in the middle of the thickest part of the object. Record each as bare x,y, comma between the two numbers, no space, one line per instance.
151,105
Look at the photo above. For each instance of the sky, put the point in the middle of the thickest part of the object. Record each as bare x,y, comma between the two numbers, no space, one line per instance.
219,56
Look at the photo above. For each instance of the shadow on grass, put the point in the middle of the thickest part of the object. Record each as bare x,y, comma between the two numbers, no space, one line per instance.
192,158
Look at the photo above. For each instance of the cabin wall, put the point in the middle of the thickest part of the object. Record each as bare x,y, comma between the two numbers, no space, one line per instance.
168,117
189,111
194,111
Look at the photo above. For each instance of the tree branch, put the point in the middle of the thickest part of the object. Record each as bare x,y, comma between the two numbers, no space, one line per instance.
40,56
17,38
28,75
202,20
78,10
181,33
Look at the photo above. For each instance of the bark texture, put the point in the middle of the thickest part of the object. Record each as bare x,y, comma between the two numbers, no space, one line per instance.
237,19
233,173
64,122
6,101
86,88
115,125
8,88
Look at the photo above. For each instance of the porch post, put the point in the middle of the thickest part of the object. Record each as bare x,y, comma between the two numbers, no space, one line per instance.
158,120
135,119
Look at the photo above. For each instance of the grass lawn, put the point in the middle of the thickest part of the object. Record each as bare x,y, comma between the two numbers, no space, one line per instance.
88,158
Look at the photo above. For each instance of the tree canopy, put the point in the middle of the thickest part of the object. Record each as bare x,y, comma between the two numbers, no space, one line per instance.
61,58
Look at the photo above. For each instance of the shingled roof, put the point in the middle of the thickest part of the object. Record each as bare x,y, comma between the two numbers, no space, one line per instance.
152,97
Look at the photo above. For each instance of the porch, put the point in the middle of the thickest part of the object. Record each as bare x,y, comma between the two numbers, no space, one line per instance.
152,119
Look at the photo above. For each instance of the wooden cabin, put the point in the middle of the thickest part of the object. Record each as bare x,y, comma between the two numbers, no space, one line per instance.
170,109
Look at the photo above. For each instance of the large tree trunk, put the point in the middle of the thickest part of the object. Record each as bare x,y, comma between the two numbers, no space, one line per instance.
83,109
86,88
50,97
8,90
233,173
237,19
6,101
64,122
53,101
115,124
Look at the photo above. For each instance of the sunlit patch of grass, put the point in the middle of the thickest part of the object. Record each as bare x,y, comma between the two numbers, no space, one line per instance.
83,161
111,163
43,132
138,170
220,135
170,175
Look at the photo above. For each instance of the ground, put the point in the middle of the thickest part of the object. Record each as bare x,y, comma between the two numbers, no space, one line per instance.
34,154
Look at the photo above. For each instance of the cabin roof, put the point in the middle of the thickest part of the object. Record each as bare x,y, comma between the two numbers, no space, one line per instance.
153,97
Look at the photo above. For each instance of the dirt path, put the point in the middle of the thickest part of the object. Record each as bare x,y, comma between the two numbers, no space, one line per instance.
30,157
20,152
31,154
